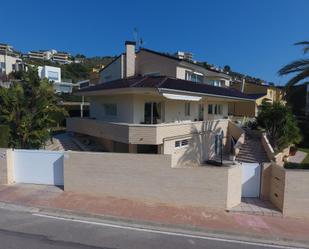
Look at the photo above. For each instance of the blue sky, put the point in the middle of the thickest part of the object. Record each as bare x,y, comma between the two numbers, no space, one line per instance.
254,37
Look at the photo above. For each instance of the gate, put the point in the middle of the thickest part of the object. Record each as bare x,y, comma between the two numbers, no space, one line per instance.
38,167
251,179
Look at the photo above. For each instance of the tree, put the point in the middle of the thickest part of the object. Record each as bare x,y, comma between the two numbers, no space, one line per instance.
227,68
280,125
29,108
299,67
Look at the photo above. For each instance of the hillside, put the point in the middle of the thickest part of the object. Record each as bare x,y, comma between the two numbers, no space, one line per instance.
87,68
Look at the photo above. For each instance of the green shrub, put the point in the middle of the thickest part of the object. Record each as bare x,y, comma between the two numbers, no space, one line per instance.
4,136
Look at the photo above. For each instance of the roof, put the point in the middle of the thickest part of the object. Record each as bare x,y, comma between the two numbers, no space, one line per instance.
168,83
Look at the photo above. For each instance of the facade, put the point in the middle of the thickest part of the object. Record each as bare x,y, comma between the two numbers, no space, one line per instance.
148,62
61,58
6,48
259,92
159,115
9,63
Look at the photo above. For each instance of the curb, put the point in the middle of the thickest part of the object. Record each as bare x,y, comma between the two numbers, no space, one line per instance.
155,226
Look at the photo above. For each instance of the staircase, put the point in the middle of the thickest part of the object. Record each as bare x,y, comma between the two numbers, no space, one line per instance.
63,142
252,150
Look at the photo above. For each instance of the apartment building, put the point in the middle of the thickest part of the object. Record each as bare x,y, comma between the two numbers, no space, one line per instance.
260,92
6,48
150,112
61,58
50,55
148,62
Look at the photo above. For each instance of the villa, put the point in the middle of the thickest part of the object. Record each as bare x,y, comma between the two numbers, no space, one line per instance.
159,114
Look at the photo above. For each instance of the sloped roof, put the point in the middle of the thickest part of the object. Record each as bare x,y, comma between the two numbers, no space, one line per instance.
168,83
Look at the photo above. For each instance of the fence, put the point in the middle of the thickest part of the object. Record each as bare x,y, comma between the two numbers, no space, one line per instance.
142,177
151,178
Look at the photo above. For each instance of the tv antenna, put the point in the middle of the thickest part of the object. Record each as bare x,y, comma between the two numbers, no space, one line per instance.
139,41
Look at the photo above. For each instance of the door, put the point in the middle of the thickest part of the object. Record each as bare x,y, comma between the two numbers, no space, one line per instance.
153,113
251,177
38,167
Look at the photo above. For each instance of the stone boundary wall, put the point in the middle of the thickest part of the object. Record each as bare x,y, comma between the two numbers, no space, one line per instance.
287,189
151,178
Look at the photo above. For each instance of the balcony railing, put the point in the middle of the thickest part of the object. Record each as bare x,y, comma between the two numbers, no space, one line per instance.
141,133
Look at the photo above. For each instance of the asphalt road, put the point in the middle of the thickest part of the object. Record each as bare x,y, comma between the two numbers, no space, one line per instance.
27,231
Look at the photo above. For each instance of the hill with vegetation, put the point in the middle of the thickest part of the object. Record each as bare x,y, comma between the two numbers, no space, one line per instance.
86,68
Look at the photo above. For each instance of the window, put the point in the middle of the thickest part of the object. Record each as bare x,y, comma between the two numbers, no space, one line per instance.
210,109
152,74
110,109
187,109
215,109
214,82
181,143
195,77
53,75
2,65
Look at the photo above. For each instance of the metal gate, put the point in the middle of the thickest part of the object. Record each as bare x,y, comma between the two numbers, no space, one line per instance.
251,179
38,167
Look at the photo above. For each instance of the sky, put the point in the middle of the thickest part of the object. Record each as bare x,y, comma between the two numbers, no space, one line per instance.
254,37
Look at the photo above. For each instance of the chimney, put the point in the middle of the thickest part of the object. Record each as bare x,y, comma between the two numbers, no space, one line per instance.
243,85
130,59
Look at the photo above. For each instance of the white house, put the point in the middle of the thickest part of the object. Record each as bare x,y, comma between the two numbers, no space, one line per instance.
49,72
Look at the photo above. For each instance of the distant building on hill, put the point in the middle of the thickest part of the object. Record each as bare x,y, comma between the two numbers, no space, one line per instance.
10,60
50,55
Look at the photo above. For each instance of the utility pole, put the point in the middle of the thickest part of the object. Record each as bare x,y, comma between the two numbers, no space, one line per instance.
82,107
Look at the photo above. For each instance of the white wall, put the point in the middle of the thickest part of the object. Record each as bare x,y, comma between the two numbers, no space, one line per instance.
113,71
124,108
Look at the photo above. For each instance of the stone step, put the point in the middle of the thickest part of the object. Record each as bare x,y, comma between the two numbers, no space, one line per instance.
252,150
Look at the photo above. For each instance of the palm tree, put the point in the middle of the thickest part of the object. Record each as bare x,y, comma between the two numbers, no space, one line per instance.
299,67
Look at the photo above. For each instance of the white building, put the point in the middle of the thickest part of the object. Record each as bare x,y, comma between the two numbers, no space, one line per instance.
49,72
9,63
53,74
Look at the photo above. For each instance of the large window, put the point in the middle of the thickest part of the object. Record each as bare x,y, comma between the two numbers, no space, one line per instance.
154,113
215,82
215,109
195,77
187,109
53,75
110,110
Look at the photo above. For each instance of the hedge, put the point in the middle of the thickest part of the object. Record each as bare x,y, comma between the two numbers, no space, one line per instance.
4,136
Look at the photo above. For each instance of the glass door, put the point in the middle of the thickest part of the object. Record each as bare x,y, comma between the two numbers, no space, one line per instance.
152,113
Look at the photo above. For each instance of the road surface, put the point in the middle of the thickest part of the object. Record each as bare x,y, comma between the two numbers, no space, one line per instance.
38,231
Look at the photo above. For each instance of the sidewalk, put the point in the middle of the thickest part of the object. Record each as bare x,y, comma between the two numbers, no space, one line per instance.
49,197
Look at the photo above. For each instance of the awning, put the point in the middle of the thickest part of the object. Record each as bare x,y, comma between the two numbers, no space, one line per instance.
181,97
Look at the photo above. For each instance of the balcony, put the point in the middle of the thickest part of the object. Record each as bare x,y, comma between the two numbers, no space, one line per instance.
141,133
